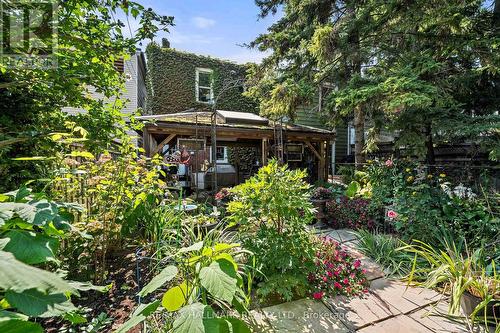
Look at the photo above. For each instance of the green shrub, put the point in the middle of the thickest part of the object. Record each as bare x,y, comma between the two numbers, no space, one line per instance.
31,230
273,208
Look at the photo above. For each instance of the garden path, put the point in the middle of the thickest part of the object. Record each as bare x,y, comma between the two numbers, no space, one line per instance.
389,307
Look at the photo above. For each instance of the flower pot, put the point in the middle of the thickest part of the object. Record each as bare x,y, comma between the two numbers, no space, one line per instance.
469,302
320,205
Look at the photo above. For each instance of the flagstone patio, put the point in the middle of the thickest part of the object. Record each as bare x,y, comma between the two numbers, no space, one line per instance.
389,307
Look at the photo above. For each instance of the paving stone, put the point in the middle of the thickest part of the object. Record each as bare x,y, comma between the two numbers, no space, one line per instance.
358,312
434,318
257,322
373,270
303,316
402,298
399,324
343,235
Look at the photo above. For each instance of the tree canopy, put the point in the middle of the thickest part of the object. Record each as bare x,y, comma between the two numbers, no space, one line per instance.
426,70
91,36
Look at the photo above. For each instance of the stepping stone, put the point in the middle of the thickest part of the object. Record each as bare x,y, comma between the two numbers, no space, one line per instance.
356,312
343,235
257,322
402,298
304,315
434,318
399,324
373,270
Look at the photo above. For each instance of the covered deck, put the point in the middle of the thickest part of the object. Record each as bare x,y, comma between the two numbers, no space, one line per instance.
299,146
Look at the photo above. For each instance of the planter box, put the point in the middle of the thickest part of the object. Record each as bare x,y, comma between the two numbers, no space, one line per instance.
469,302
320,205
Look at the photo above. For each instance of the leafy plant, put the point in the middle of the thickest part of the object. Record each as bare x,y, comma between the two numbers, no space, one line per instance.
115,190
456,274
384,249
356,213
207,278
272,209
31,229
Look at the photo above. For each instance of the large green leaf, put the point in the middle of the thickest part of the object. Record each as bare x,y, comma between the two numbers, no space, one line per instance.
352,189
139,315
17,276
191,319
167,274
220,279
194,247
19,326
35,303
31,247
175,297
237,325
9,209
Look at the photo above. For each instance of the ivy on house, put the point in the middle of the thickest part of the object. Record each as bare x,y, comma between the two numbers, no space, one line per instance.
171,82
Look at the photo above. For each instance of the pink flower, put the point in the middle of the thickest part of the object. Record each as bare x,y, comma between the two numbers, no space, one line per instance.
389,163
318,295
337,285
325,278
392,214
357,263
329,274
346,281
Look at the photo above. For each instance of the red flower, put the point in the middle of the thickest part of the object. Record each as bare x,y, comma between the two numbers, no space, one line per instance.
318,295
346,281
357,263
325,278
329,273
337,285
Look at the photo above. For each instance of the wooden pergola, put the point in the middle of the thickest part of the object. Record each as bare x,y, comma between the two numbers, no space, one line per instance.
160,130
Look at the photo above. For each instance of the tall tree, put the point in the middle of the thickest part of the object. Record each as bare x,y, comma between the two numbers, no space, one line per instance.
91,37
426,70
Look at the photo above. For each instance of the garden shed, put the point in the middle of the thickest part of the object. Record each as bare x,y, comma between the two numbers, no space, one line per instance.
244,142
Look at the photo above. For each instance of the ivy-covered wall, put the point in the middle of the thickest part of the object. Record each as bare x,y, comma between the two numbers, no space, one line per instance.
171,82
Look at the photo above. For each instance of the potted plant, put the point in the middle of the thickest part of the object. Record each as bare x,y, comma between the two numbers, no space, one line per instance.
461,276
319,197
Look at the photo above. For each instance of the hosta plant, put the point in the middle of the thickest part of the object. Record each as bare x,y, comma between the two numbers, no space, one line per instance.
206,283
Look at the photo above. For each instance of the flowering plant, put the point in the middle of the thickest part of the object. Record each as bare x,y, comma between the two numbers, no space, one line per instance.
336,273
355,213
321,193
222,194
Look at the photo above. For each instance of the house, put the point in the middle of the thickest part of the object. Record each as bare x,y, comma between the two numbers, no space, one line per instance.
134,71
195,102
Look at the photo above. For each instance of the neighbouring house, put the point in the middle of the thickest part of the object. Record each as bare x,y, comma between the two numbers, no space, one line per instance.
134,72
194,100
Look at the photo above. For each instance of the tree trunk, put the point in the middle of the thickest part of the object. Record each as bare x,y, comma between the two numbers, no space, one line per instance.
359,137
430,158
359,113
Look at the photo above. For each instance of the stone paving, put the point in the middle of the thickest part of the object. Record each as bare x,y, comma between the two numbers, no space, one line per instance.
389,307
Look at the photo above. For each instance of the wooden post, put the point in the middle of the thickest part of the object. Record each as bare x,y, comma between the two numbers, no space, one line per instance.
321,173
264,151
145,141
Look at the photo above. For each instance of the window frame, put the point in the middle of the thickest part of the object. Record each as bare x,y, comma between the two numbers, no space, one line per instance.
209,71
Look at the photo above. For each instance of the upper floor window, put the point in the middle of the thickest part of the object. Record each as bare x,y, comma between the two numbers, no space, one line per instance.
204,85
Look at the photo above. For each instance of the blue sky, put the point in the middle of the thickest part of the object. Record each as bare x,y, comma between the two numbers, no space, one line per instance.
213,27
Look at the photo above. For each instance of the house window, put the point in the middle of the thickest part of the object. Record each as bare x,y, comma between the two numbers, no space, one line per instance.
204,85
221,154
351,139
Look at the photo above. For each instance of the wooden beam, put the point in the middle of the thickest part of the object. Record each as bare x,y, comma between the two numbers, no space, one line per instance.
264,152
163,143
313,150
322,150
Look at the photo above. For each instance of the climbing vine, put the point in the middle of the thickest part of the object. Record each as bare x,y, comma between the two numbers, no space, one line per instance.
172,79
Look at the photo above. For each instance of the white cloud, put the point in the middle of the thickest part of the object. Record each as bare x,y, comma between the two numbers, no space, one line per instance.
180,38
202,22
